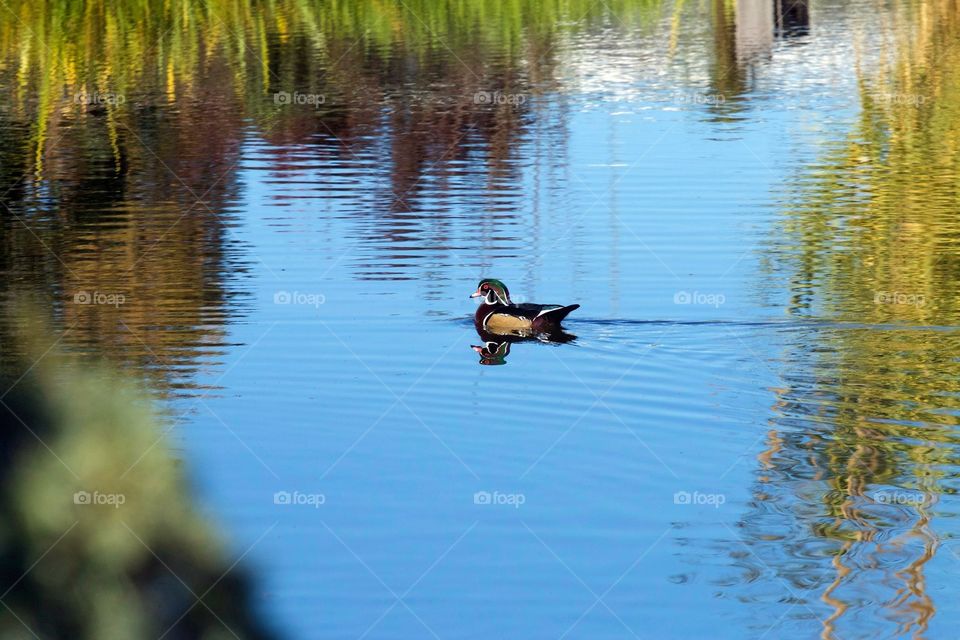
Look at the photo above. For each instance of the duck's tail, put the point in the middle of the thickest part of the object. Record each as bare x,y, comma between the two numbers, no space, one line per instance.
556,316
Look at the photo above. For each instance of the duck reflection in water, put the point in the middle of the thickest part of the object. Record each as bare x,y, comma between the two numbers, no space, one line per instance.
496,347
492,352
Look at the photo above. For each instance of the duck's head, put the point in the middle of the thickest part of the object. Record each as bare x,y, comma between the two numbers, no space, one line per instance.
492,291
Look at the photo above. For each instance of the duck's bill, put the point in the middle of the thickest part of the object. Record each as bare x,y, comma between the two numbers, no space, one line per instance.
475,294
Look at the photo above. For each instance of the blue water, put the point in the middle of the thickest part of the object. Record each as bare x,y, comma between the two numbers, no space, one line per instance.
617,198
684,468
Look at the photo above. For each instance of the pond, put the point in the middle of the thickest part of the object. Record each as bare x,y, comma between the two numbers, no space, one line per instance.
273,215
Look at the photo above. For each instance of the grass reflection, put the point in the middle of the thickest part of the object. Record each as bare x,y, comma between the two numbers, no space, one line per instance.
865,442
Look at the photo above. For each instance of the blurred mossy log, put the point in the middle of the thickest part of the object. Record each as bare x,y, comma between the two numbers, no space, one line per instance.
98,536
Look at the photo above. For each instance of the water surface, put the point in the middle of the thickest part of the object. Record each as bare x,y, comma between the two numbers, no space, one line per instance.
274,216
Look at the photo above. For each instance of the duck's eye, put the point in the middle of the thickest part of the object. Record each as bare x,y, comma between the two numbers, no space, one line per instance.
485,287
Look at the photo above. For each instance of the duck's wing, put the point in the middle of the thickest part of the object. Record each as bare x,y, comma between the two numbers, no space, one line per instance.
556,313
551,315
531,311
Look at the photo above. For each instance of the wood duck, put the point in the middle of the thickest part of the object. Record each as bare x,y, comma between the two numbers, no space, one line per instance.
497,314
